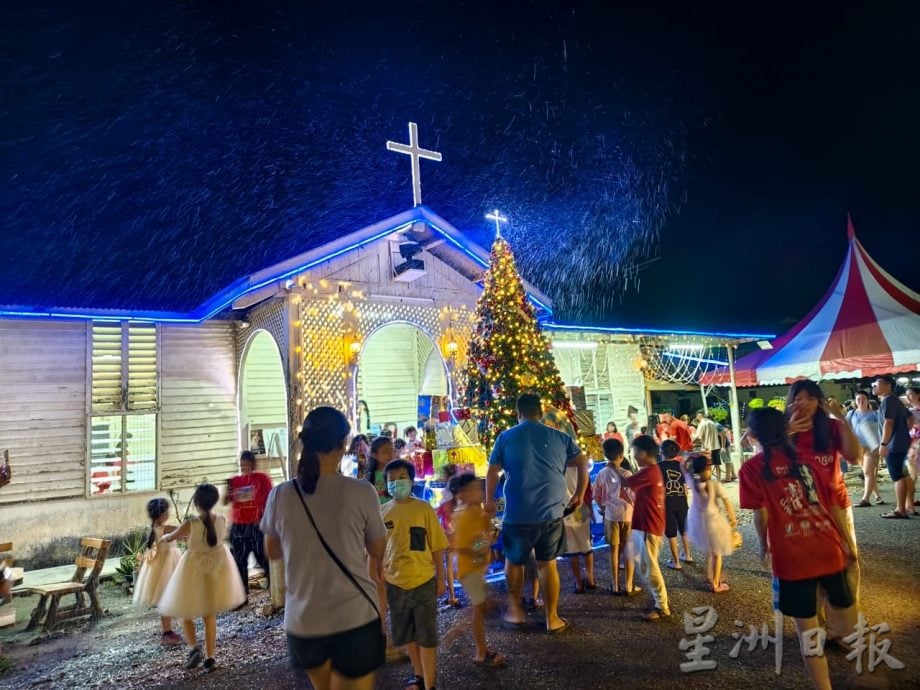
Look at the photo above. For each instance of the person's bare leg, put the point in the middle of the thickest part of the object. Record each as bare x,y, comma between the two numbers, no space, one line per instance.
630,571
716,570
900,492
717,470
576,571
870,481
415,657
614,566
166,623
429,656
449,570
210,636
672,542
908,494
478,617
514,576
321,676
549,583
191,636
815,665
685,540
589,569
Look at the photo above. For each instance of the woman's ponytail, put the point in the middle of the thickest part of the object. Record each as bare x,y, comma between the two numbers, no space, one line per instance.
208,521
324,430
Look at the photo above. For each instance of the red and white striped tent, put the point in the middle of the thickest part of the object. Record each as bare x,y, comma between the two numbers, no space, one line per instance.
866,324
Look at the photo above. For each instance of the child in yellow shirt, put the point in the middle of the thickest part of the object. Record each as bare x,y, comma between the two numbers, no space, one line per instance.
472,540
413,568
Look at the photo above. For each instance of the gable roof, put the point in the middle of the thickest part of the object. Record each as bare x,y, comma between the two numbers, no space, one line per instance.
437,236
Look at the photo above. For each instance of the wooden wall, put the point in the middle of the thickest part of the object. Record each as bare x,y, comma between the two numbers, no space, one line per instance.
199,432
43,408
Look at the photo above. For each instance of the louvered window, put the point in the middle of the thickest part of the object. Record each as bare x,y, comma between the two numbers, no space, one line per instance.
123,426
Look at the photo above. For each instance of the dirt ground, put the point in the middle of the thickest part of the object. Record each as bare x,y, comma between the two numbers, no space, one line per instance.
609,645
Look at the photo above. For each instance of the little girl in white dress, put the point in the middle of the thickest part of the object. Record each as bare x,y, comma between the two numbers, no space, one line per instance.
706,526
206,581
157,566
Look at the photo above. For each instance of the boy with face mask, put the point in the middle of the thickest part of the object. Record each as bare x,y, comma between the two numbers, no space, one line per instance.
413,567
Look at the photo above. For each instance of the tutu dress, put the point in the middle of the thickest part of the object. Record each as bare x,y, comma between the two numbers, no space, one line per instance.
706,525
158,565
206,581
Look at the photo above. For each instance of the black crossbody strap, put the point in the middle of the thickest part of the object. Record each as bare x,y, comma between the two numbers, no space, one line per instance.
331,553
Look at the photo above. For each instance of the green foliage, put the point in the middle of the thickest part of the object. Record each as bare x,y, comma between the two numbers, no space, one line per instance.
778,402
132,548
719,413
755,403
5,664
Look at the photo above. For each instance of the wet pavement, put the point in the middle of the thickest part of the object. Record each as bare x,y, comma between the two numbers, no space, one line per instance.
608,645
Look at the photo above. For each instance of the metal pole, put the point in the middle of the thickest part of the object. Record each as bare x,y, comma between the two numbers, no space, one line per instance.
735,410
703,395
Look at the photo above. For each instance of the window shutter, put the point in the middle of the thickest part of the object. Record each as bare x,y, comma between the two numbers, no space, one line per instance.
107,368
142,367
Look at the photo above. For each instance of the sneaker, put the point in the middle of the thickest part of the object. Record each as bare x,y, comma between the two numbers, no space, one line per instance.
210,665
170,639
194,658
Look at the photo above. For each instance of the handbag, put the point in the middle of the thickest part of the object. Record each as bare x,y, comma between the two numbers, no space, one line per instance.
331,553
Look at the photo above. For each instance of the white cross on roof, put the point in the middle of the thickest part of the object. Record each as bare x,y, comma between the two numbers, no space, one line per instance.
415,153
499,219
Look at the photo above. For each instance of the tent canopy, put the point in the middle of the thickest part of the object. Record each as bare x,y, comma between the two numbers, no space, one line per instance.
865,325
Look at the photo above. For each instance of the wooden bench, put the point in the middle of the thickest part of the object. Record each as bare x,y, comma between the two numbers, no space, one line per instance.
83,585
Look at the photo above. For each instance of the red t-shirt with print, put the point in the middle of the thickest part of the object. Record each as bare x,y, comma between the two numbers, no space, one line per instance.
648,510
249,494
803,538
825,465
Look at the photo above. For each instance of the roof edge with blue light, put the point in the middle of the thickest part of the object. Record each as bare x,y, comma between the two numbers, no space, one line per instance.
624,330
278,272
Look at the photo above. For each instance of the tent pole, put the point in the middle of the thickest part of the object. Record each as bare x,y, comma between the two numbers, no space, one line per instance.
703,395
735,410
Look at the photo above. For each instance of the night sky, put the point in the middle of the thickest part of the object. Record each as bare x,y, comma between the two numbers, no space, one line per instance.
662,165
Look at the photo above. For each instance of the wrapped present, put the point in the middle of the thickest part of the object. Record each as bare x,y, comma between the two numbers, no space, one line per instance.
423,462
462,413
585,421
444,434
473,457
471,432
443,416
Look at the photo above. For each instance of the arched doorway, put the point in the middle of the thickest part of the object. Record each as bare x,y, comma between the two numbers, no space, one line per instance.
263,404
401,378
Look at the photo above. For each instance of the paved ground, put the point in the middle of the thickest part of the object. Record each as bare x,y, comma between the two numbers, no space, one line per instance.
608,646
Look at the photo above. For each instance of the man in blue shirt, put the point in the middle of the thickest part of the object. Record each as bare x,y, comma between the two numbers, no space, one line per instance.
534,457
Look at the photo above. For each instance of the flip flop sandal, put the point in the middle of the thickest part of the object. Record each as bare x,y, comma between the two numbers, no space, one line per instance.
561,629
674,566
415,682
511,625
880,502
863,504
634,592
894,515
492,660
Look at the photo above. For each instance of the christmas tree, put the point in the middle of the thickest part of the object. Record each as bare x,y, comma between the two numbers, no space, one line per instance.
508,354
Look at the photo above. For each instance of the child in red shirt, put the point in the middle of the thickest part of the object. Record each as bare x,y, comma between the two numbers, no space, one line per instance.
648,522
248,492
792,523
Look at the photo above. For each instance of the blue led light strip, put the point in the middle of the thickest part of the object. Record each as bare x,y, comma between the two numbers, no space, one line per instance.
678,355
653,331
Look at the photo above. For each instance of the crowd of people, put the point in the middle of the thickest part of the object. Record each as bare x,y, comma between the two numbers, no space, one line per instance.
359,553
